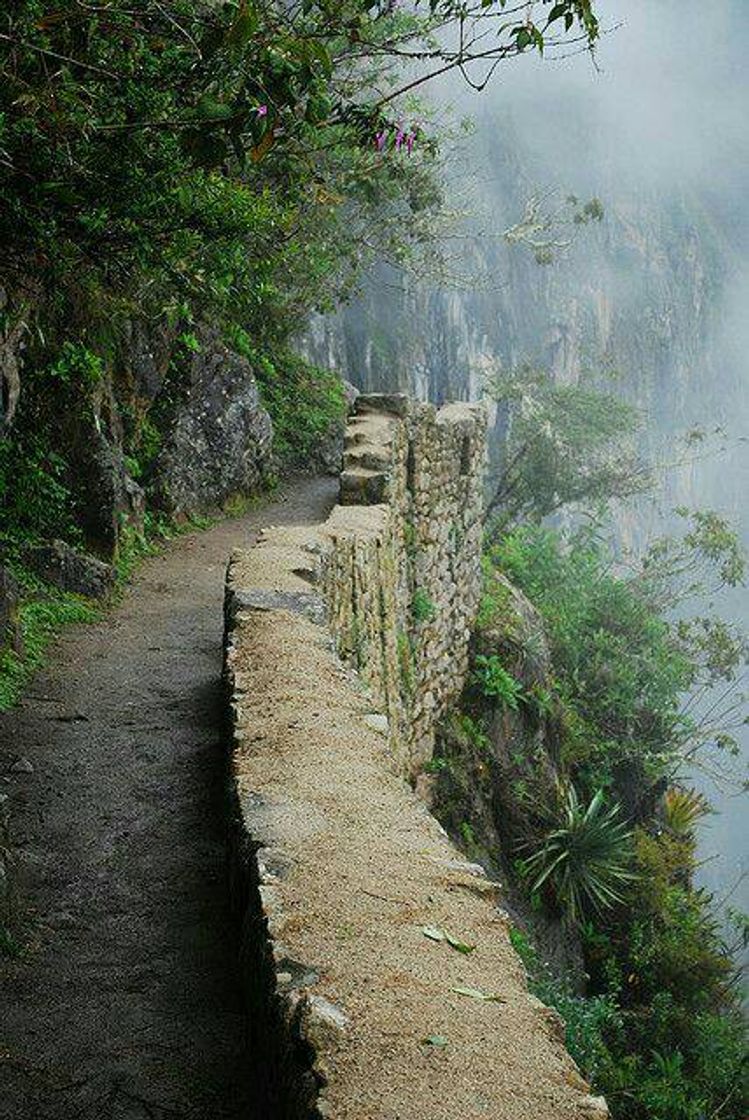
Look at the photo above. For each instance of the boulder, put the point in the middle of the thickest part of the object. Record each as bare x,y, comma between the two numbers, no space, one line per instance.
57,563
109,496
218,442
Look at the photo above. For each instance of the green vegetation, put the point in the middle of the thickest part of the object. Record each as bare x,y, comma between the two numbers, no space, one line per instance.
422,607
496,682
169,164
42,616
585,860
659,1027
564,444
306,404
589,1020
405,661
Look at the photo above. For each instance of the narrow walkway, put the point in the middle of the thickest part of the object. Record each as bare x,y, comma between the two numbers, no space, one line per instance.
125,1006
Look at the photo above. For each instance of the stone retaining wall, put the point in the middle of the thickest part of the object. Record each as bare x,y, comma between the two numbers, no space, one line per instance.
360,1006
403,584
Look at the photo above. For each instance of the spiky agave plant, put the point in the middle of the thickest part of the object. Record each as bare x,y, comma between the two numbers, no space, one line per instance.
586,859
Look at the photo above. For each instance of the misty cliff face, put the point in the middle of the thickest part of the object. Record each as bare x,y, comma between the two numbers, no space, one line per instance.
647,303
635,303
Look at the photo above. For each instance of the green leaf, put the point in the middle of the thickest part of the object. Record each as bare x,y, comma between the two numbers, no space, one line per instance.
459,945
476,993
434,1040
432,933
212,110
244,26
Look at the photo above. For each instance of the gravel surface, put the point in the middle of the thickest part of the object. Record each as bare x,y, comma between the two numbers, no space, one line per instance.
124,1003
429,1032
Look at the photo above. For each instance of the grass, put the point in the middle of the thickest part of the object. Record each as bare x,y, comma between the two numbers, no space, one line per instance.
40,620
45,610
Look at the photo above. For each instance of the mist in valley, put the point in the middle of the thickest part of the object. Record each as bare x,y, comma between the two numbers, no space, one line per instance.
652,302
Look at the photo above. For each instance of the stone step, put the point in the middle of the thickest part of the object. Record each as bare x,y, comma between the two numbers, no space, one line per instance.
363,486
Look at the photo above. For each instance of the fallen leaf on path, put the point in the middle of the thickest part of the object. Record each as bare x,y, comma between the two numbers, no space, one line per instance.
476,993
461,946
440,935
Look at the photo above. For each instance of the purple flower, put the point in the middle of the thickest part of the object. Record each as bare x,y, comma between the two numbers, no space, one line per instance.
410,140
400,136
380,138
262,110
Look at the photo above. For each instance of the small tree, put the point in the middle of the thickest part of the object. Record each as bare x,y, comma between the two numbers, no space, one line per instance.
563,444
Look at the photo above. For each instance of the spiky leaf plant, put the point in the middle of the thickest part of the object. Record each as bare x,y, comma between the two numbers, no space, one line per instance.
586,859
682,808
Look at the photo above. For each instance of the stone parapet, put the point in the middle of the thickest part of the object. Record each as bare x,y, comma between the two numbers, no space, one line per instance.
376,962
403,596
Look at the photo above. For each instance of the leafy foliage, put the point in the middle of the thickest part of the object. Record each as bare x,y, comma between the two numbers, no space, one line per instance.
627,681
305,403
563,444
682,809
41,617
496,682
622,669
590,1021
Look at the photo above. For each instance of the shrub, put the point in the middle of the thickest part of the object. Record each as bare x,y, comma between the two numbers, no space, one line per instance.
682,808
588,1020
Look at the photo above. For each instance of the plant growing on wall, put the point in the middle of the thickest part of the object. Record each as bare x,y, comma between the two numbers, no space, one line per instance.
422,607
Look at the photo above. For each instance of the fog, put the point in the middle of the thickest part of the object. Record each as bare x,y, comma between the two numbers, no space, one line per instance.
657,294
664,116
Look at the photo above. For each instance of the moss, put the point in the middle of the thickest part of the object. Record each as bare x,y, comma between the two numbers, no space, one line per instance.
422,607
405,661
496,608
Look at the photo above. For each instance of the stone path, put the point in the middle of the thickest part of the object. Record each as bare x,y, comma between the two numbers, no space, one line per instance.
124,1004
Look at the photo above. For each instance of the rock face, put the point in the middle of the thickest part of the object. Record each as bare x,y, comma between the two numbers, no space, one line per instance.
64,567
109,497
219,441
10,632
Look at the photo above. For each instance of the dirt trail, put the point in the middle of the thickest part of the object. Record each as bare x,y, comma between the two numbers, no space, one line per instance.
125,1005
